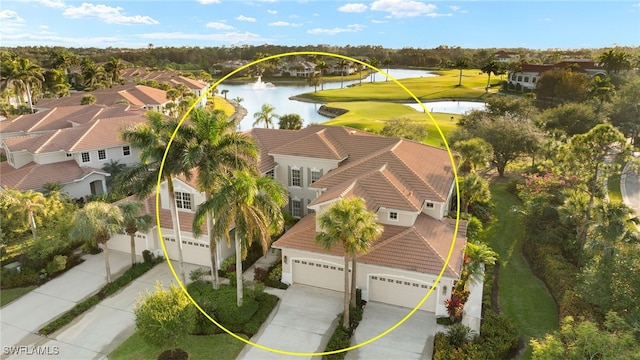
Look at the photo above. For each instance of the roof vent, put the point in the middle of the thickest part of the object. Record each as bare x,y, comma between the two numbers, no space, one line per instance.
352,132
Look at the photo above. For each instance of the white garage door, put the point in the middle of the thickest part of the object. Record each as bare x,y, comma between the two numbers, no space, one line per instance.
318,273
401,292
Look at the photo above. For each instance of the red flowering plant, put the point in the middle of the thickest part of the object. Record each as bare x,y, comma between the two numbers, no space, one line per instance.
454,309
544,184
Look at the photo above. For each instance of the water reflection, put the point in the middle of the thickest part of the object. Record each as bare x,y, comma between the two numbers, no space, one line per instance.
257,93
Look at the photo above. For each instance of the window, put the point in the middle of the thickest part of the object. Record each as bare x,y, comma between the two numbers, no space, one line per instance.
86,157
526,79
315,175
296,208
295,177
519,78
126,150
102,154
183,200
69,155
430,205
393,216
270,174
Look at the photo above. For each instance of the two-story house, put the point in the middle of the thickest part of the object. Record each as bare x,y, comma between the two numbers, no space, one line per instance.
407,184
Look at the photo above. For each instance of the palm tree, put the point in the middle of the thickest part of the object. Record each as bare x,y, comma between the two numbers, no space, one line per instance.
348,222
314,80
63,60
215,151
342,63
387,63
224,93
152,138
290,122
474,256
265,115
134,222
374,63
251,205
23,76
473,189
321,66
613,61
96,223
32,202
114,168
94,76
54,189
461,63
114,68
574,212
490,67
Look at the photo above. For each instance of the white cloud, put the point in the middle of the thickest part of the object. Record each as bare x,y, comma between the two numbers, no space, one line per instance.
230,37
357,8
11,23
379,21
50,39
108,14
205,2
273,12
58,4
219,26
334,31
284,23
547,19
246,18
316,14
403,8
454,7
10,15
43,27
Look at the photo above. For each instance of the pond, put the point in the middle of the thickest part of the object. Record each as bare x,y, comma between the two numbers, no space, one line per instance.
257,93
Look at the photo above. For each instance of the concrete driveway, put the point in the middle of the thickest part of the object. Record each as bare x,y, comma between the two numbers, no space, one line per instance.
303,322
411,340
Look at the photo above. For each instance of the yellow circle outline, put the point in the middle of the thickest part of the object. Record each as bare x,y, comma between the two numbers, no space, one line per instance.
292,353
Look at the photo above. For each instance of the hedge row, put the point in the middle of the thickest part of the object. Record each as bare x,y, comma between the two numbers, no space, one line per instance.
109,289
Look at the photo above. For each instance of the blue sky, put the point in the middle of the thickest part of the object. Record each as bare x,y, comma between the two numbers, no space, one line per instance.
389,23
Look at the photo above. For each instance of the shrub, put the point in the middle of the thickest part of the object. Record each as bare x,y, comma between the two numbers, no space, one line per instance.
198,274
230,315
226,265
498,335
147,256
458,335
267,303
340,339
274,276
13,278
276,273
259,274
58,264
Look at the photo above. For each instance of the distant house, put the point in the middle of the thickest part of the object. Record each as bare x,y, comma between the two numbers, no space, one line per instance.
69,145
526,78
174,78
506,56
407,184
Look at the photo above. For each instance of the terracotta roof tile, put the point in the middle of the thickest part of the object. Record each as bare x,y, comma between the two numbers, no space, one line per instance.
321,144
422,247
34,176
144,95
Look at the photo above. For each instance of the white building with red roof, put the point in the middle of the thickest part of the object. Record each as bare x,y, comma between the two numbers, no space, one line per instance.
408,185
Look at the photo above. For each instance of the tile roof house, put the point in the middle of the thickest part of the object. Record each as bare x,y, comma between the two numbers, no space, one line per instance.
526,78
174,78
407,184
66,144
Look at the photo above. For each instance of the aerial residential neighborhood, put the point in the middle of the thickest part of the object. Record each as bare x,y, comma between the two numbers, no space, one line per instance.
264,181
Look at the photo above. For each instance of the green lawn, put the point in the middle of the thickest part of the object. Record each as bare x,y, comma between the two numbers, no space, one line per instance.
522,296
221,346
444,86
371,115
613,182
8,295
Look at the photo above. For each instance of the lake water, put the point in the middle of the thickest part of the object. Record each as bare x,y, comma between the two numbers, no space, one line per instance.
255,94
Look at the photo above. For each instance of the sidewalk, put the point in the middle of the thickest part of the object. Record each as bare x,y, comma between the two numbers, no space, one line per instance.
25,316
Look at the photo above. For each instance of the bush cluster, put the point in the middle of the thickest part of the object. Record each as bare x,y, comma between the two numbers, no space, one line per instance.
14,279
340,339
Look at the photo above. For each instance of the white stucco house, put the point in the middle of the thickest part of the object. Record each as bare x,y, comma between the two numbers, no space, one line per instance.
68,144
526,78
408,185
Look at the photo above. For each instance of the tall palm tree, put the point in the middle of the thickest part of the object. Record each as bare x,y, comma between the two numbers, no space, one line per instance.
373,62
152,138
96,223
215,151
490,67
290,122
342,63
114,168
251,205
63,60
54,189
114,68
574,211
348,222
32,202
473,189
94,75
265,115
321,66
134,222
387,63
24,76
613,61
460,64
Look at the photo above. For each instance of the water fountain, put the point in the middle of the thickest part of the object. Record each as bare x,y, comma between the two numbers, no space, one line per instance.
259,85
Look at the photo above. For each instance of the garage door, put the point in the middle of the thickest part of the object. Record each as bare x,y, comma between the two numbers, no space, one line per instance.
401,292
318,273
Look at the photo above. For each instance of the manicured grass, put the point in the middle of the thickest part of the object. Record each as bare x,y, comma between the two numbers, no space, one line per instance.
427,88
221,104
521,295
9,295
221,346
371,115
613,182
